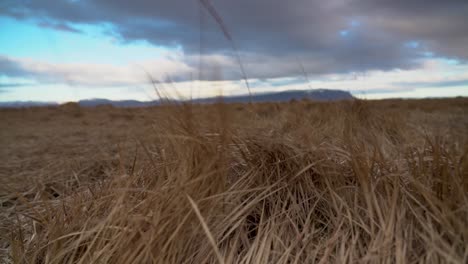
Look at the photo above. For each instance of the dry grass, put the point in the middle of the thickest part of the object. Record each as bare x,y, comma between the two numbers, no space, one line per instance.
304,182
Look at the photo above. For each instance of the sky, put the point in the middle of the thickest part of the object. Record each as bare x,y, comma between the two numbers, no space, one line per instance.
69,50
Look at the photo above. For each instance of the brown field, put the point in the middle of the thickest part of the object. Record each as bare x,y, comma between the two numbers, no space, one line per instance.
298,182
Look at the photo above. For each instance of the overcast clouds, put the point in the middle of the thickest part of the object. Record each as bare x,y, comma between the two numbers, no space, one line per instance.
273,36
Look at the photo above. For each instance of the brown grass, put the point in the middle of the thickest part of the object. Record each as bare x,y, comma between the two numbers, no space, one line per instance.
299,182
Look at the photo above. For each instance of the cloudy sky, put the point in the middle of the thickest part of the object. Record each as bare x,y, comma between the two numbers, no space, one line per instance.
66,50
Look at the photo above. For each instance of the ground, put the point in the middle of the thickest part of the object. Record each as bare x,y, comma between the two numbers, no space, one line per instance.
352,181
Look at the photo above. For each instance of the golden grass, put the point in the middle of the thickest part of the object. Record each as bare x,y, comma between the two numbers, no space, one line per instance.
299,182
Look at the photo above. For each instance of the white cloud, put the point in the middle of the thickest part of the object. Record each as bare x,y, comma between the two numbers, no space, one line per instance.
434,77
102,75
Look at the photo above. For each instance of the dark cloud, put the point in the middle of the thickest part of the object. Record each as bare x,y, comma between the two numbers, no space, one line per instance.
11,68
4,89
440,26
58,26
451,83
5,86
271,35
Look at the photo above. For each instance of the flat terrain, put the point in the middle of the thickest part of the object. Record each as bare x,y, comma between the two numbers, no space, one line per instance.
298,182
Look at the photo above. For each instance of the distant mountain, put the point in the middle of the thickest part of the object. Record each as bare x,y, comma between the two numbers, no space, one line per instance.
314,95
122,103
21,104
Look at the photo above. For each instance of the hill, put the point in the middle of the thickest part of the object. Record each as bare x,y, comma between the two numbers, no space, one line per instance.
314,95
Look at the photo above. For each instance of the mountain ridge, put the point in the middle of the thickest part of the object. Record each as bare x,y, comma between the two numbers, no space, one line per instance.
314,95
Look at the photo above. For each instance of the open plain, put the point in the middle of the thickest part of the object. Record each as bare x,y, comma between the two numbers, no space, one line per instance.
298,182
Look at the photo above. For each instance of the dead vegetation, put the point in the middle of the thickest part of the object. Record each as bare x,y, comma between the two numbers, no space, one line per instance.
299,182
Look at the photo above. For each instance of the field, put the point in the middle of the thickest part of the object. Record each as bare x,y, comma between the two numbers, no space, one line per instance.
297,182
